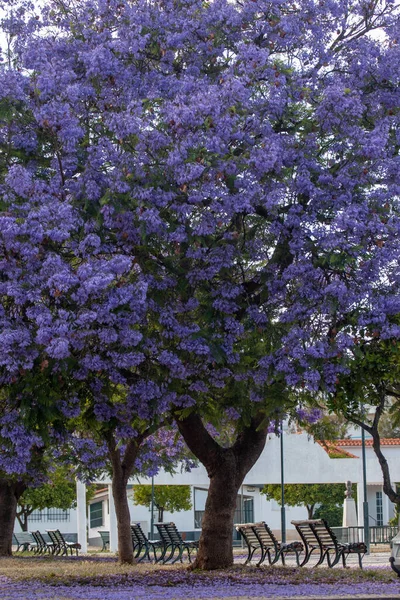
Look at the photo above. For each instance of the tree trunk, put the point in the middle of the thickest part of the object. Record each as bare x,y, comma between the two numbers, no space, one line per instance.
310,510
22,517
125,547
373,430
226,468
24,522
122,467
9,495
216,549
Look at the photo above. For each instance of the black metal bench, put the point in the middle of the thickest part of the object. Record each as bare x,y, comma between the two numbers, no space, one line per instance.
24,541
105,539
174,542
318,537
259,537
61,546
42,545
142,543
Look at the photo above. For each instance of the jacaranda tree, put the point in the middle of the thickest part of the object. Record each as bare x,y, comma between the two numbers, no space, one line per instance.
200,205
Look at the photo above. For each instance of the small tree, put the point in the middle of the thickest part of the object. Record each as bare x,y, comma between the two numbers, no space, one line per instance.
172,498
308,495
59,492
332,513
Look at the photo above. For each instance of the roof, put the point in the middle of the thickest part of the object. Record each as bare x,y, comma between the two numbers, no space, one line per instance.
333,451
368,442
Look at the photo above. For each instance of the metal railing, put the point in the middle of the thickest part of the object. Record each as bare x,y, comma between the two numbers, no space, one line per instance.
245,516
50,514
378,534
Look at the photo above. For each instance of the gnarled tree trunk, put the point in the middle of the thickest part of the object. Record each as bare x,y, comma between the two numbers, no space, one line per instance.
23,515
125,547
226,468
121,470
10,492
373,430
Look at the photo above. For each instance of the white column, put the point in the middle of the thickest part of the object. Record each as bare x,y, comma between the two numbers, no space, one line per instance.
360,500
113,522
385,507
81,514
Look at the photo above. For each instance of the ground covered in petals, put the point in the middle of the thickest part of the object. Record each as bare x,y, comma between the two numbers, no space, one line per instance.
31,578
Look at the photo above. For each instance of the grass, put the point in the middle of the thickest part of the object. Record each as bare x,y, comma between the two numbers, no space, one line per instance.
103,570
99,577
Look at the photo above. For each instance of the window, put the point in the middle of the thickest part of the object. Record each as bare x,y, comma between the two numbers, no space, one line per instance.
248,509
35,516
56,514
50,514
200,497
379,509
96,514
244,512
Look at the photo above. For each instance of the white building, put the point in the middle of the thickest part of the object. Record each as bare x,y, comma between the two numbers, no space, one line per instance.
304,460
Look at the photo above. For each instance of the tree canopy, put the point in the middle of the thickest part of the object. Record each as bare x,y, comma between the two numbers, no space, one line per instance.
309,495
170,498
199,214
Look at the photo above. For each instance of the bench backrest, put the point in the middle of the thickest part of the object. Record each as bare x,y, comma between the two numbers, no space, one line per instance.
265,535
24,538
38,537
52,535
173,533
306,533
163,533
138,534
247,532
105,536
56,537
169,534
316,531
325,534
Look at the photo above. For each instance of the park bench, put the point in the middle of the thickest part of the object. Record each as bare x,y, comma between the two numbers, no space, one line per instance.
259,537
42,545
174,542
142,543
61,546
318,537
105,539
25,541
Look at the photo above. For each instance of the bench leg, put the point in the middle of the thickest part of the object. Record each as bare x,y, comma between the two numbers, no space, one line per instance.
344,560
154,548
250,555
278,555
262,557
145,554
321,558
307,556
163,553
180,554
298,553
170,555
332,561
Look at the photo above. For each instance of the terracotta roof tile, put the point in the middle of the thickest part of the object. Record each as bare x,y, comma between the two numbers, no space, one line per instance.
368,442
334,451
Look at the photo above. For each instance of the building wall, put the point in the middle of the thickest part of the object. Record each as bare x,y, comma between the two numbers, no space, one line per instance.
39,520
304,462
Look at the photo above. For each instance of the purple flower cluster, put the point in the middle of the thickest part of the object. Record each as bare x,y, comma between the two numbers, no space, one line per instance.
195,197
171,584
